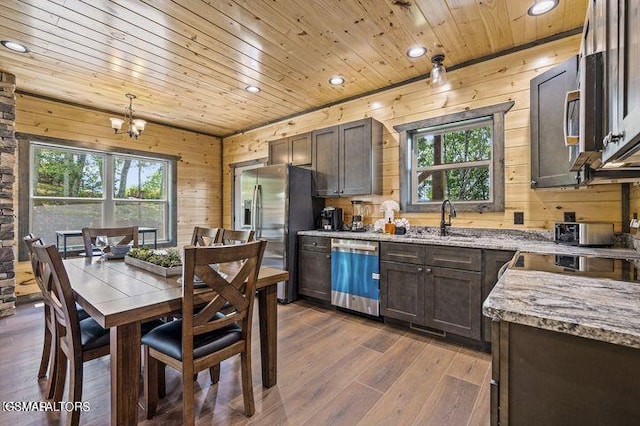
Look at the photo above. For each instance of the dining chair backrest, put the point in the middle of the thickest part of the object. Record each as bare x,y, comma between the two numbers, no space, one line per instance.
231,236
205,236
30,240
127,234
236,286
55,277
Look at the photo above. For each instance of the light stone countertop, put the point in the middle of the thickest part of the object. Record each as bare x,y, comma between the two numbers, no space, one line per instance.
494,239
600,309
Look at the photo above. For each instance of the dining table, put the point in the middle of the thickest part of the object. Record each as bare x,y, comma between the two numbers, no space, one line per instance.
121,296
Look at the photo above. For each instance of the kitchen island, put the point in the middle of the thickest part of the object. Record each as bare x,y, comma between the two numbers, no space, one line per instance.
566,349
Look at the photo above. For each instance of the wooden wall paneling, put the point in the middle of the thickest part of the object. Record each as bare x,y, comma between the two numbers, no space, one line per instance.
199,180
498,80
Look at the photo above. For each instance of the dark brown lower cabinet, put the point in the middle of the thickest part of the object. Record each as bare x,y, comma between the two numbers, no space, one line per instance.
453,301
493,261
314,267
402,291
437,287
542,377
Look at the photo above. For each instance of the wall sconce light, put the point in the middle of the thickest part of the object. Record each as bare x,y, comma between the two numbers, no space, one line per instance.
439,72
134,127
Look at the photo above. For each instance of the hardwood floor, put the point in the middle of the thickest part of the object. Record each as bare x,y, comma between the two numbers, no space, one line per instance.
333,369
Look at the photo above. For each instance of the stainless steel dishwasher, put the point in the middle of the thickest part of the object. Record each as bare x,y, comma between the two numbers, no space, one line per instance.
355,275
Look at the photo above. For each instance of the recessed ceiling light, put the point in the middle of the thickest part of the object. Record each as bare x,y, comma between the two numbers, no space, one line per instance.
540,7
416,52
252,89
336,80
16,47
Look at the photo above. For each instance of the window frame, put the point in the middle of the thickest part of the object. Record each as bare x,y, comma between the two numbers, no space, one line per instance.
25,146
495,114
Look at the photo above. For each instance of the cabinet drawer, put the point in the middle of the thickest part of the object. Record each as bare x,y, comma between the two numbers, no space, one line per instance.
321,244
454,257
404,253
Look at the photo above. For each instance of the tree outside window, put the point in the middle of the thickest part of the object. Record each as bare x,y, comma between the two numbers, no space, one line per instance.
453,164
459,157
69,190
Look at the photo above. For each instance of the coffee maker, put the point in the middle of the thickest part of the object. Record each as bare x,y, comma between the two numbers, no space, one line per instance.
331,219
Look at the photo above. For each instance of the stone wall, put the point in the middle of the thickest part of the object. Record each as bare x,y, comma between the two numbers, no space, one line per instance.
7,177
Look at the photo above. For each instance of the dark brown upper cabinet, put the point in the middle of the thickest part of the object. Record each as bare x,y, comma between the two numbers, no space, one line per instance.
622,64
294,150
549,154
347,159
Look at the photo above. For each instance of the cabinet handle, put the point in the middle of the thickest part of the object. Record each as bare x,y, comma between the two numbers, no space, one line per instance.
342,191
328,256
315,244
427,270
612,138
335,192
534,183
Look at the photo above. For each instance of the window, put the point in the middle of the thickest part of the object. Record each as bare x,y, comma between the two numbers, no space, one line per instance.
70,188
459,157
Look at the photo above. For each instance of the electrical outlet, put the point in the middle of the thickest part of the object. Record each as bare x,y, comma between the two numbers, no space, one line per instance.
518,218
635,223
569,216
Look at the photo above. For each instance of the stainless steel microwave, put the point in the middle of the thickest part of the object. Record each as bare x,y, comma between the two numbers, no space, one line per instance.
591,120
584,233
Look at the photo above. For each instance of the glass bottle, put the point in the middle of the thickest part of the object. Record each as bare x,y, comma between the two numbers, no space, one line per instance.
389,227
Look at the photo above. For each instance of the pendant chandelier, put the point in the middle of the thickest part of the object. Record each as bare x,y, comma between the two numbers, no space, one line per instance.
133,126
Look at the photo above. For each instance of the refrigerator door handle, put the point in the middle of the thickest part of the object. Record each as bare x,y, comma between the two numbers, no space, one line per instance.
259,212
254,208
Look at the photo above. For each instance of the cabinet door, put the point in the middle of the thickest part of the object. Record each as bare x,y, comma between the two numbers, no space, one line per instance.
279,152
493,261
355,150
629,69
300,149
452,300
549,155
402,291
324,145
314,274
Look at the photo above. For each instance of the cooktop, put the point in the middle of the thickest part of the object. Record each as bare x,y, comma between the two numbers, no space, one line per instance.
583,266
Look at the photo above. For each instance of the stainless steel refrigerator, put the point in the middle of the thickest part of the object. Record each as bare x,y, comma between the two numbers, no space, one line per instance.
276,202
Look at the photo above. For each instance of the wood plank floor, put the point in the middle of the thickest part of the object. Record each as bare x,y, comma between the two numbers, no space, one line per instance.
333,369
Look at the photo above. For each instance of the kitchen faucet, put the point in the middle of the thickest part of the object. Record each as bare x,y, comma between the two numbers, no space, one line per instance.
452,213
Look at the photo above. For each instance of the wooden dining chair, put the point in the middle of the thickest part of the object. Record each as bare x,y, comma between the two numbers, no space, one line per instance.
232,236
205,236
49,349
203,339
78,340
127,234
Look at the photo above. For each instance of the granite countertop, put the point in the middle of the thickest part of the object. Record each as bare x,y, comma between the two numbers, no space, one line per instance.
600,309
494,239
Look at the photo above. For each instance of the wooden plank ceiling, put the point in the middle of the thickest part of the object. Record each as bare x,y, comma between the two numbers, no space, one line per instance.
190,61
